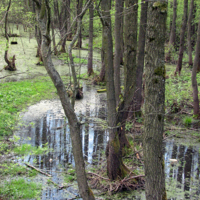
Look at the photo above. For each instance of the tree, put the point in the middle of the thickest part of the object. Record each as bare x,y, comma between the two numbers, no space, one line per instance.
10,63
90,56
79,9
172,33
154,107
130,67
115,166
43,18
118,47
140,57
189,32
194,72
182,39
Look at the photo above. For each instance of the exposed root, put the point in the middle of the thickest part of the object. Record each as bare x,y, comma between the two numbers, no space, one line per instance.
128,183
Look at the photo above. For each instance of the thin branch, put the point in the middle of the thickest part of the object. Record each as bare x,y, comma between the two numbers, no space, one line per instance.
99,176
37,169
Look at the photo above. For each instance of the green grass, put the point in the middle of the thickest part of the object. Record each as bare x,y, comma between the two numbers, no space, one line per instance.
179,89
16,96
20,189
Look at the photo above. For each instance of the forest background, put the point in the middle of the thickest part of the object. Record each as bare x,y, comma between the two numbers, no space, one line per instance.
178,89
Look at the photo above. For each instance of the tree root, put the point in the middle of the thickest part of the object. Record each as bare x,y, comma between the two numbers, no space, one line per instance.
128,183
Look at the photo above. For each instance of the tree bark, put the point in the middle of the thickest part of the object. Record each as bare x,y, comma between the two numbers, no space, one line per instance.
194,72
189,33
115,166
182,39
130,51
172,33
154,107
43,17
79,9
53,38
118,47
10,63
90,56
140,58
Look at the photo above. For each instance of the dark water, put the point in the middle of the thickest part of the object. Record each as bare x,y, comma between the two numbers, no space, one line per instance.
50,126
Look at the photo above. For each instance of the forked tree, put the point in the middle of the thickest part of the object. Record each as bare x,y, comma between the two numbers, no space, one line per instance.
44,20
154,107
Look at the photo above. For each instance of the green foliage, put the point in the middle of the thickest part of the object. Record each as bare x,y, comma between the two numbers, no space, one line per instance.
178,89
14,169
20,189
187,121
70,176
128,126
14,96
27,149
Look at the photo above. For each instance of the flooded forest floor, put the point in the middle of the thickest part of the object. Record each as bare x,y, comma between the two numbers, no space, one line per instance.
36,160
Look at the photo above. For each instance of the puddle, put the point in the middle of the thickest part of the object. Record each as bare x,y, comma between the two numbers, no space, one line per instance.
50,126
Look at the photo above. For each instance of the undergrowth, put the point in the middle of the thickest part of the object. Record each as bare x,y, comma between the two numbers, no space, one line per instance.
16,96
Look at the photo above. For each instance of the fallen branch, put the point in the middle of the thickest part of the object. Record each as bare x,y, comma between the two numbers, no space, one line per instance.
60,187
37,169
132,177
99,176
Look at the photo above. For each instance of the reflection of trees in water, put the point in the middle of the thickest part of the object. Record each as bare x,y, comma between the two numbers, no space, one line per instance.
185,172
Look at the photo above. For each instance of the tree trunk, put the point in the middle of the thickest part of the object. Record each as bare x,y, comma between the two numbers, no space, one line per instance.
53,38
194,72
140,58
115,166
118,48
79,9
154,108
172,33
189,33
10,63
130,45
182,39
44,23
90,56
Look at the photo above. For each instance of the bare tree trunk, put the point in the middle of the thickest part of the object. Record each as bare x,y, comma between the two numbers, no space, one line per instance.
10,63
189,32
154,107
194,72
53,38
79,8
115,166
130,67
90,56
118,50
182,39
44,23
140,57
172,33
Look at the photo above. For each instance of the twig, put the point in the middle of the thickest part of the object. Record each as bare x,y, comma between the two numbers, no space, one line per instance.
11,75
98,176
37,169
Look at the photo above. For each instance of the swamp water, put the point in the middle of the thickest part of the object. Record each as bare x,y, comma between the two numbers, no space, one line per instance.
50,126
